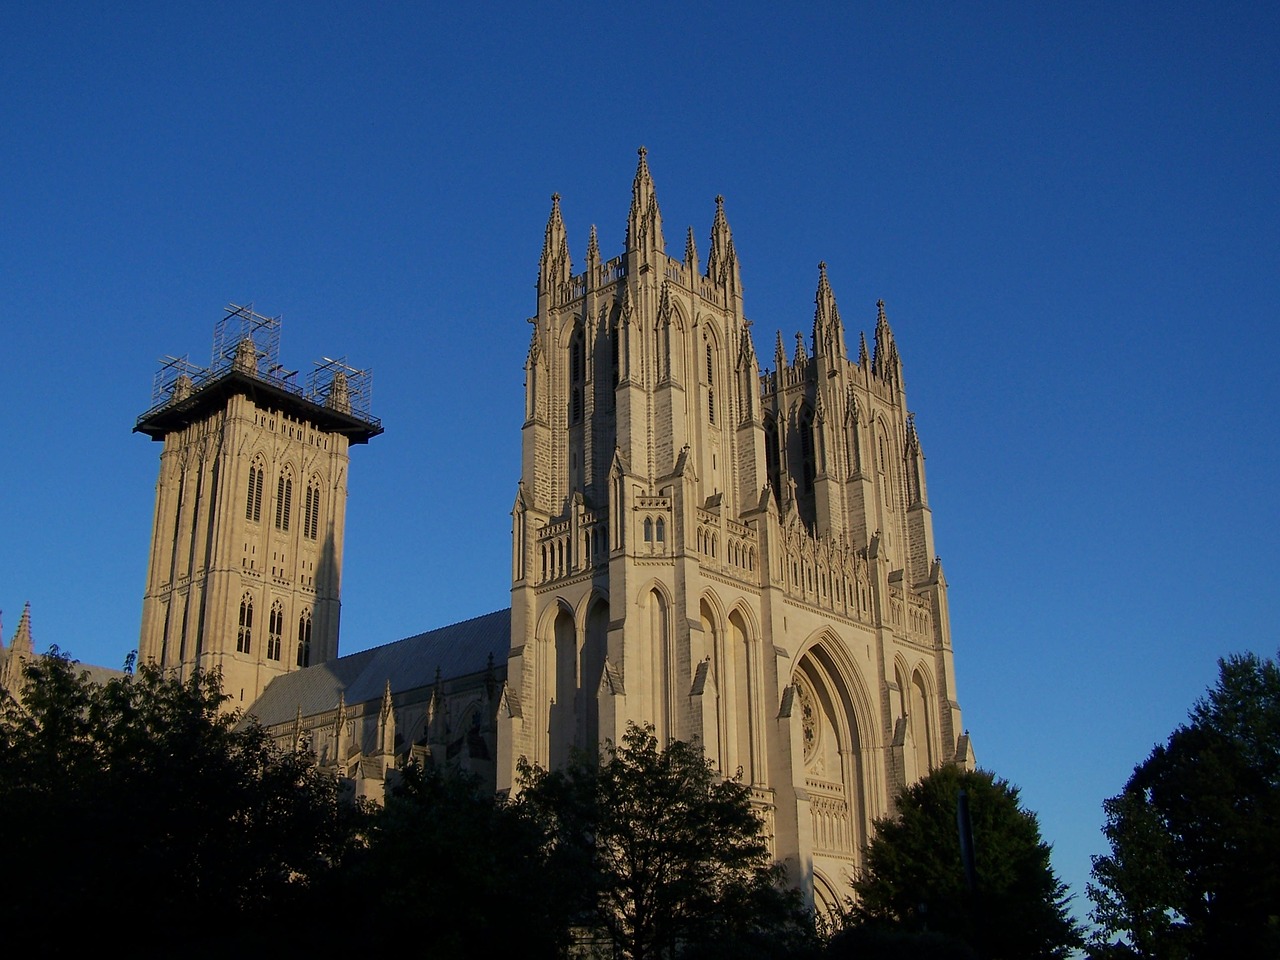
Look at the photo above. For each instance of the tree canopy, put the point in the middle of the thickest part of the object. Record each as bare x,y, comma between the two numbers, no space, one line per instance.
1194,833
463,869
914,882
669,857
141,800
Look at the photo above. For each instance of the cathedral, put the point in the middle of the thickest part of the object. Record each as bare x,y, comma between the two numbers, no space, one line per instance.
738,556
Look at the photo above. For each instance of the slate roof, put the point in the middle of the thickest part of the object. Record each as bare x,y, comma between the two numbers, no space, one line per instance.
457,650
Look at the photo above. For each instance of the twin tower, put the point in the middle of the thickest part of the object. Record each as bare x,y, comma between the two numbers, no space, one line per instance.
739,556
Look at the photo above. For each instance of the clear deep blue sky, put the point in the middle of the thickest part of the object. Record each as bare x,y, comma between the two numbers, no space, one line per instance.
1069,210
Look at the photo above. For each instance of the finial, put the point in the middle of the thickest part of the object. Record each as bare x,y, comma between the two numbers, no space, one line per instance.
642,151
822,266
880,310
720,200
555,197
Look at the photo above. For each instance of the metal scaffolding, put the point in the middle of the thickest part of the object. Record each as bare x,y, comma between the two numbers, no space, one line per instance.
178,376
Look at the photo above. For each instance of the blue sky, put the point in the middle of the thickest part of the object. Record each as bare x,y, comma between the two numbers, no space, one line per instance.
1069,210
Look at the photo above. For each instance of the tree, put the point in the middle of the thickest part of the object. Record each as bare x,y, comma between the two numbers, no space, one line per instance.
914,882
669,858
1193,834
463,869
140,800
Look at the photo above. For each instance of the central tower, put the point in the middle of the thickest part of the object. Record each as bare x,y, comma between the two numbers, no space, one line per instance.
737,557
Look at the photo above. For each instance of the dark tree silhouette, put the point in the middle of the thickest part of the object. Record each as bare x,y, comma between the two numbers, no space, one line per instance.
914,883
1194,833
670,859
140,802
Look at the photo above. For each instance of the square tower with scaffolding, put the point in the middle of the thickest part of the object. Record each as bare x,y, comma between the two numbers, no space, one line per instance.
245,568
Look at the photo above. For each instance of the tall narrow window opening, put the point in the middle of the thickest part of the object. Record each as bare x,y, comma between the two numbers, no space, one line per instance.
284,500
244,638
253,499
577,374
304,639
275,630
806,448
311,518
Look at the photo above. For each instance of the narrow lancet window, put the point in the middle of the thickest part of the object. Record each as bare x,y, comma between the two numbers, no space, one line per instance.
275,631
244,638
284,501
304,639
577,374
253,499
311,518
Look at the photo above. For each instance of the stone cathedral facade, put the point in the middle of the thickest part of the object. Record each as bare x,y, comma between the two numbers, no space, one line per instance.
740,556
736,555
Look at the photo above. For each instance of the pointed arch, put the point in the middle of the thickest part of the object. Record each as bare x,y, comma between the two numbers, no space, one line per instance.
595,642
826,901
311,513
715,744
577,373
808,446
558,655
710,370
244,636
284,497
742,693
652,650
253,495
837,724
772,460
923,719
304,639
275,630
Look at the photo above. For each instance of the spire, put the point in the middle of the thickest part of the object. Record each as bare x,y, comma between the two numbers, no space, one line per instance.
913,438
746,348
21,644
535,348
690,253
437,725
554,266
828,330
722,260
664,304
862,349
885,362
644,224
801,355
387,723
593,248
297,729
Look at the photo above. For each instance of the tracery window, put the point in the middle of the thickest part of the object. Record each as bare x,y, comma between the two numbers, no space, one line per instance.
284,500
275,630
253,498
244,637
311,516
304,639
